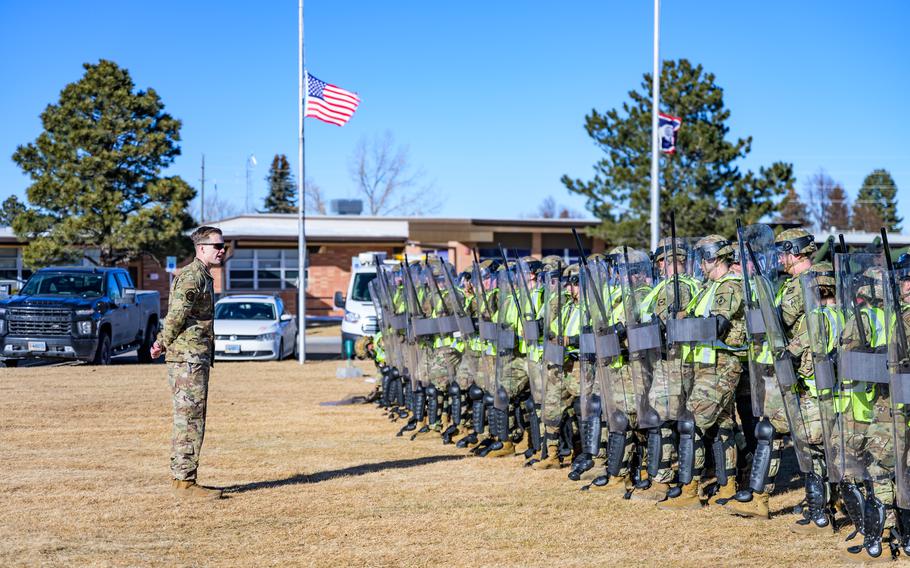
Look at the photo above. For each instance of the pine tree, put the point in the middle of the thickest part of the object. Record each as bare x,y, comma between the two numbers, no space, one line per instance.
282,197
838,213
876,204
793,210
701,180
95,172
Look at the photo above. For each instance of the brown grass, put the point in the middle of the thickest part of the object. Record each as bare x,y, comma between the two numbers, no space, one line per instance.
84,482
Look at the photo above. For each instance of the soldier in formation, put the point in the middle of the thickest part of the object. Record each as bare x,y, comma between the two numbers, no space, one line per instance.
676,377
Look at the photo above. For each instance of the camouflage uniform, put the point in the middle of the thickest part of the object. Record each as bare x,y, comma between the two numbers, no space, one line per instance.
188,340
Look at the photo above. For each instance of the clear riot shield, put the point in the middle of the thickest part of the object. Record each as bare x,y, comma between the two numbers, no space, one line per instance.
420,326
763,385
862,371
484,284
507,316
897,314
824,325
554,332
531,293
390,324
766,285
645,340
603,294
677,284
444,305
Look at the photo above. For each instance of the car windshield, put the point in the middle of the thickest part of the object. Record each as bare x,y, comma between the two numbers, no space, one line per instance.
245,311
65,284
360,292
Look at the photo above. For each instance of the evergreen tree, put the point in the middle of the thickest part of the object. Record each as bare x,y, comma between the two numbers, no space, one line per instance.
282,197
838,213
700,180
793,210
95,172
876,203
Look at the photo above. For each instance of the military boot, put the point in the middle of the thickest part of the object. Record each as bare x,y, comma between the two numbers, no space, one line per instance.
862,556
190,490
619,484
468,441
688,499
552,460
757,508
809,526
656,492
423,427
724,493
507,449
522,445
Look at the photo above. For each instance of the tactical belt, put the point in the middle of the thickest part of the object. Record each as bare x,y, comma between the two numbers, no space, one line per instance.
864,367
692,330
642,337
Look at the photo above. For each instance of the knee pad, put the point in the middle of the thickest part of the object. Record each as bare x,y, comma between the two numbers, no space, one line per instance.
454,390
655,452
722,441
475,392
686,429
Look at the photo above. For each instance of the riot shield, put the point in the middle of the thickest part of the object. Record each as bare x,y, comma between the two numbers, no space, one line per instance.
862,371
643,333
766,285
553,348
824,325
531,293
421,326
484,285
582,292
897,314
508,314
762,383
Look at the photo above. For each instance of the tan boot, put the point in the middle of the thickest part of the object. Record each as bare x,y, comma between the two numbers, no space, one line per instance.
552,460
507,449
618,485
724,493
687,500
657,492
757,508
522,446
189,489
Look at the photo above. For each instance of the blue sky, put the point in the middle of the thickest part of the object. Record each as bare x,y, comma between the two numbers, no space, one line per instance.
490,97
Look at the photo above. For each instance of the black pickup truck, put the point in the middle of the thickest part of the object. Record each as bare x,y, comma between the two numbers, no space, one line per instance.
87,314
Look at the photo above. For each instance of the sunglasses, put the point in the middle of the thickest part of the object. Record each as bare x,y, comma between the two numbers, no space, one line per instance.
217,246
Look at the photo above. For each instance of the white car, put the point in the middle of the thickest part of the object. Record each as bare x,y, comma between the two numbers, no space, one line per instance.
253,327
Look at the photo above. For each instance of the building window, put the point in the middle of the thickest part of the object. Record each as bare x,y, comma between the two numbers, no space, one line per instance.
11,268
262,269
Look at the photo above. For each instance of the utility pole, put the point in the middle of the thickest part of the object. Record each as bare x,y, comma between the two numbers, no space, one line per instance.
202,194
655,134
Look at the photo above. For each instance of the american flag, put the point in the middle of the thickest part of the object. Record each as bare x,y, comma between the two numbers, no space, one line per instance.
329,103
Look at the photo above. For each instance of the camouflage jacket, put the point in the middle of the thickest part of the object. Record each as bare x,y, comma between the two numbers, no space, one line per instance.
188,334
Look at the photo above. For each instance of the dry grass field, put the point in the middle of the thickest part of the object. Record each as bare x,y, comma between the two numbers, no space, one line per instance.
84,482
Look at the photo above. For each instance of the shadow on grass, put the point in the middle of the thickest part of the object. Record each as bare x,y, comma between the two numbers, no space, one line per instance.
356,470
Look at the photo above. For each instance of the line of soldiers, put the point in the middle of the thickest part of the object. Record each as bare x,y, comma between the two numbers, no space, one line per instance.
675,377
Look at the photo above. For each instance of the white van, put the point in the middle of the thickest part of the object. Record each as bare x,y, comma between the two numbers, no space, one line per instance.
359,312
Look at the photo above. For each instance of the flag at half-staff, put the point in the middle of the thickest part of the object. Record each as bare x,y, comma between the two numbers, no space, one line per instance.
329,103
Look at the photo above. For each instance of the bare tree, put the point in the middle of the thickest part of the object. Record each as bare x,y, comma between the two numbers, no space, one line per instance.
315,200
818,189
383,176
215,208
549,209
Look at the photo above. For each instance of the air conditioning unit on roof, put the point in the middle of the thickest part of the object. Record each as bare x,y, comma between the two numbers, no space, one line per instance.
346,206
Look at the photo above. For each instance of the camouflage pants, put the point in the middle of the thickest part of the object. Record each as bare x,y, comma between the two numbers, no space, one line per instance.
189,384
467,370
711,403
441,366
514,375
669,384
561,391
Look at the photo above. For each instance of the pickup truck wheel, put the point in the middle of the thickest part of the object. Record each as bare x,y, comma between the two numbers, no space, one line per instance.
103,354
10,363
144,355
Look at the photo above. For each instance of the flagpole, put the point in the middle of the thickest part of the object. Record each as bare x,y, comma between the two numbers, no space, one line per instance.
301,193
655,138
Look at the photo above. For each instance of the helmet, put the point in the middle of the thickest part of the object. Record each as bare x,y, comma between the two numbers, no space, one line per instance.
714,246
665,249
551,259
489,264
571,273
532,263
795,241
871,284
823,273
595,257
618,255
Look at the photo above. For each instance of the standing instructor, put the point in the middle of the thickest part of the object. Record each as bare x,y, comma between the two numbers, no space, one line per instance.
187,338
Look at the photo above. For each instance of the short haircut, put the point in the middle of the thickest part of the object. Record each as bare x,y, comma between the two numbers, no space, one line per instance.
203,233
